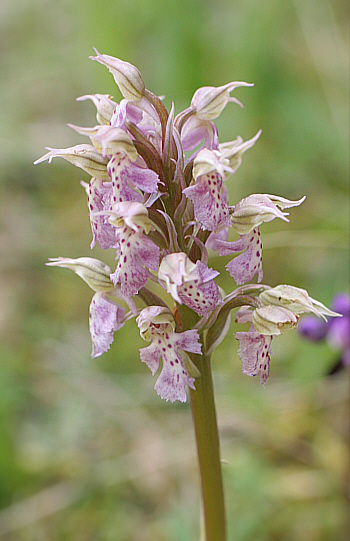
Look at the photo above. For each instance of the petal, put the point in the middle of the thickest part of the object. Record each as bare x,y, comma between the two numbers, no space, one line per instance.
84,156
188,341
127,76
210,202
254,352
173,379
244,267
116,168
170,346
105,318
103,232
135,250
151,356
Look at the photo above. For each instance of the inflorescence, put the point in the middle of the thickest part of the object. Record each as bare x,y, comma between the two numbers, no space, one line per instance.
158,198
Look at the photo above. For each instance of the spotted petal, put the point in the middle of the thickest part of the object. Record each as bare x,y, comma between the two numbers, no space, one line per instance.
209,197
103,232
136,250
254,352
105,318
170,346
243,267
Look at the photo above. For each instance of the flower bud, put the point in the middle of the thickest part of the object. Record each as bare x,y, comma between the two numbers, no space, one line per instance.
127,76
252,211
92,271
209,101
296,300
273,319
84,156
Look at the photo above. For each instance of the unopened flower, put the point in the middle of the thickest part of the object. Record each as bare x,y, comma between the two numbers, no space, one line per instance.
256,209
84,156
209,101
189,283
272,320
127,76
156,324
297,300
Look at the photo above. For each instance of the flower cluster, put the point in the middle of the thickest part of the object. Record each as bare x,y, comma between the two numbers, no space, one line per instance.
158,199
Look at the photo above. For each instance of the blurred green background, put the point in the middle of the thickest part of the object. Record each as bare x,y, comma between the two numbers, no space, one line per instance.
88,451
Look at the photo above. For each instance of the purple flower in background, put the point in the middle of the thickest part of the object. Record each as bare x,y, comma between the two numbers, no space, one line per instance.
336,331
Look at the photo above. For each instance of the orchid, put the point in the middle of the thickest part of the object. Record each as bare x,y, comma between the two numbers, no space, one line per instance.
162,212
157,324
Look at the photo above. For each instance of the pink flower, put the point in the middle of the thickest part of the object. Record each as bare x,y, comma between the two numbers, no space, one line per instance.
189,283
157,325
136,250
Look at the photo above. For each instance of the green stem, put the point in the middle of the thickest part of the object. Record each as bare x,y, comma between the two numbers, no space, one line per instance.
208,449
207,439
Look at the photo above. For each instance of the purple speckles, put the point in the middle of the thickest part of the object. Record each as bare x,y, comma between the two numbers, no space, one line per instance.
209,200
173,377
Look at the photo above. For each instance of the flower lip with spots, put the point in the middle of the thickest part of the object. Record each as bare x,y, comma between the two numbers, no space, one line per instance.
156,325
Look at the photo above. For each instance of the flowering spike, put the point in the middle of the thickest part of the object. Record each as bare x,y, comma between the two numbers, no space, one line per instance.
161,211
